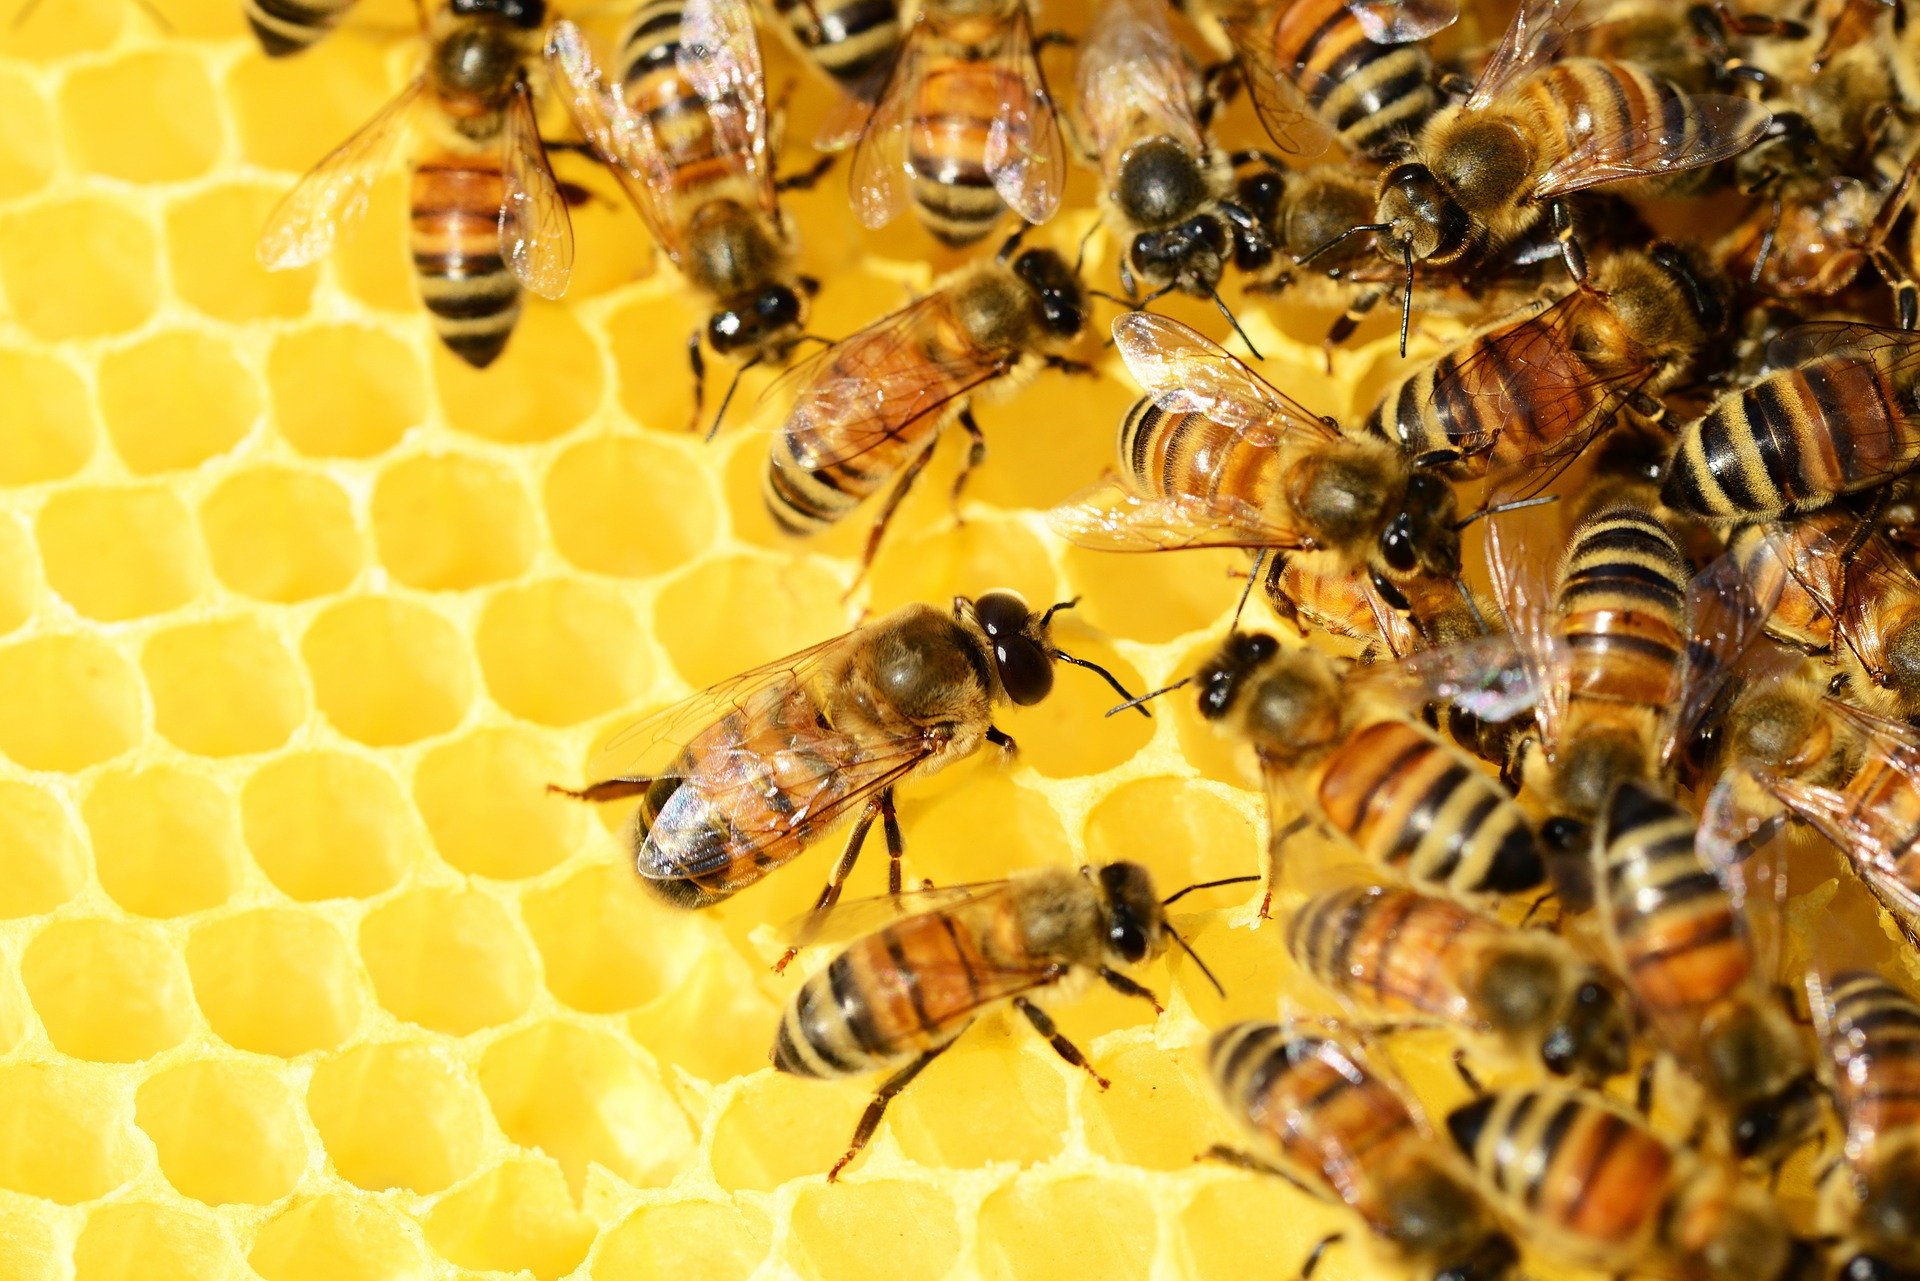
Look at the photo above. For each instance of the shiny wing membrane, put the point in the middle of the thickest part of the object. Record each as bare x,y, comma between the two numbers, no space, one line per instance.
1538,29
1521,592
1709,128
1280,100
1134,82
1110,517
536,233
1025,156
332,197
1186,372
877,178
719,54
1403,21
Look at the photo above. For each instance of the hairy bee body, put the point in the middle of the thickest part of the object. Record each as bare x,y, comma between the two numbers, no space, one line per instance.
1871,1031
849,40
285,27
1371,95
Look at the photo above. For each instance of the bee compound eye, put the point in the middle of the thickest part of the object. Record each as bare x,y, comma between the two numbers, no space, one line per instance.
1026,670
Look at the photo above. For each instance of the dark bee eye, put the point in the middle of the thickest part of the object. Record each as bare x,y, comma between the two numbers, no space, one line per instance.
1026,669
1128,939
1396,545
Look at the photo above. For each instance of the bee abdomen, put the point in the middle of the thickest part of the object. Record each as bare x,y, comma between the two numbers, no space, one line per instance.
953,118
290,26
850,39
1395,948
473,298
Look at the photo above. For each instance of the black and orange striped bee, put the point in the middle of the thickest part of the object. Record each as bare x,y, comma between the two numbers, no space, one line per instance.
1398,954
1589,1183
488,216
285,27
686,135
898,997
852,42
741,778
1327,1122
1673,906
964,128
868,409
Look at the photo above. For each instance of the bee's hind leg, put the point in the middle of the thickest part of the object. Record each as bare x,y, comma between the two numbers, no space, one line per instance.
877,1108
896,844
1057,1039
609,789
837,879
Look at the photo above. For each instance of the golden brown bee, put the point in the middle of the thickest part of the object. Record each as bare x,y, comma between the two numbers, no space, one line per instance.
1165,186
852,41
1675,923
1326,1122
869,408
1535,130
1396,953
488,217
744,776
963,128
1532,391
686,135
1591,1184
898,997
1841,418
1215,456
286,27
1380,782
1870,1030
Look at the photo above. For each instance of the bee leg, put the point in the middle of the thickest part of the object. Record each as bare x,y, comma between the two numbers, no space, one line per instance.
1906,293
877,1107
698,363
1313,1258
1465,1073
896,845
1065,366
894,499
1127,987
1061,1045
1342,329
1560,215
1234,1157
1643,1088
976,454
1002,740
806,179
608,789
836,880
1274,846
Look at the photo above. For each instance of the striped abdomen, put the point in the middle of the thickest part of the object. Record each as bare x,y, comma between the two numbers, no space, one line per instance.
1798,566
1569,1166
1411,802
850,40
652,84
292,26
1370,94
1794,440
890,996
1583,98
1873,1037
1394,950
465,283
1179,455
1881,825
952,114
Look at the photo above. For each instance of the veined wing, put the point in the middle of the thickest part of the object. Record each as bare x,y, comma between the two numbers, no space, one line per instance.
332,197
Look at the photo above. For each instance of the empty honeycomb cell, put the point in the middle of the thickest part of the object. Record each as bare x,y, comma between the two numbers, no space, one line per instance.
1256,958
223,688
27,152
780,1127
874,1231
141,1241
397,1116
443,522
275,981
1161,1112
16,1015
66,702
113,129
721,990
629,505
289,112
447,960
561,652
581,1095
214,269
648,338
29,1250
606,945
387,671
712,1240
988,1099
791,606
1155,598
83,26
19,576
546,383
48,431
101,281
1246,1225
743,483
344,391
485,801
1182,833
226,1131
374,266
981,825
1070,733
985,553
66,1132
165,842
120,553
175,400
326,825
1050,441
1072,1229
42,862
518,1217
281,535
107,991
333,1238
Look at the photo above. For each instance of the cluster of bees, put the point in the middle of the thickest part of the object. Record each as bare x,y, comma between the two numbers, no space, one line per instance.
1619,727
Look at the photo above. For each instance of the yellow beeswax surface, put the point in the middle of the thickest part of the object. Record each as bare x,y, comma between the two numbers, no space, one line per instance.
302,975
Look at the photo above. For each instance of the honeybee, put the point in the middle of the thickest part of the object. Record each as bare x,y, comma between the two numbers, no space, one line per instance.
869,408
851,41
488,216
964,127
1842,417
1591,1184
744,776
1814,234
1870,1030
1326,1122
1215,456
1533,391
1536,130
898,997
1398,952
1165,186
1675,923
686,135
285,28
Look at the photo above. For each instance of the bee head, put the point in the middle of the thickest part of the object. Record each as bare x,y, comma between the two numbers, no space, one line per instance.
1022,656
1773,1123
527,15
1591,1038
1062,298
1192,255
1224,677
756,321
476,66
1159,183
1420,216
1136,924
1902,657
1424,534
1434,1215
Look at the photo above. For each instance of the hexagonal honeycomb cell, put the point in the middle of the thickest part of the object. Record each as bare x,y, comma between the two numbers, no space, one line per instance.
304,974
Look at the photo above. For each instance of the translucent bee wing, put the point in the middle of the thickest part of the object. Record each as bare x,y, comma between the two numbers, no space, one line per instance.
1520,591
719,54
1109,517
1403,21
1025,156
1279,99
1700,129
332,197
536,233
1186,372
1134,82
1538,29
1487,677
1724,619
854,918
878,175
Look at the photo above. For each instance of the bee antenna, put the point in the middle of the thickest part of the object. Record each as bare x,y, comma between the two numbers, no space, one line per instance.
1055,608
1012,243
1081,256
1253,575
1406,298
1188,949
1109,678
1149,695
1350,231
1473,606
1500,509
1177,895
728,398
1221,303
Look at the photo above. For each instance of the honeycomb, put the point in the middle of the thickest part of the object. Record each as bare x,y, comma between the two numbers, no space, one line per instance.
303,976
